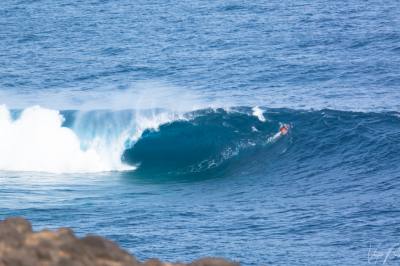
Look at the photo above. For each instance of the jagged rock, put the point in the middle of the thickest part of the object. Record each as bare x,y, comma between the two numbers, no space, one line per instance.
20,246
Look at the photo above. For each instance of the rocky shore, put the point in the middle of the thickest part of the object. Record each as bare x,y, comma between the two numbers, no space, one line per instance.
20,246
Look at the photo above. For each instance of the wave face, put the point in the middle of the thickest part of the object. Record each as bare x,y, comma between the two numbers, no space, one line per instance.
204,141
240,140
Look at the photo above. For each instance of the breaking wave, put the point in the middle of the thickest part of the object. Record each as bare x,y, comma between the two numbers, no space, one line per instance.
161,141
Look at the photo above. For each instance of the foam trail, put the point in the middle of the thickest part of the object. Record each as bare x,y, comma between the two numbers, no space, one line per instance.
37,141
258,112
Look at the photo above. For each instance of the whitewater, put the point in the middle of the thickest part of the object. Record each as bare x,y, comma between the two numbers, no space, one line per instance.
37,140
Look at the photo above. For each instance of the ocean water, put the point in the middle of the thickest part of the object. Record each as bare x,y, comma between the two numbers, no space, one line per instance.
153,123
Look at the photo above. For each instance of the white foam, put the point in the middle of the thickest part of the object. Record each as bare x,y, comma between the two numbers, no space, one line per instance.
37,141
153,121
258,112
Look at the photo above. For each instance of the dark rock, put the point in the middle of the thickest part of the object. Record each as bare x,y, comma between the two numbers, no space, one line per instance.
212,262
20,246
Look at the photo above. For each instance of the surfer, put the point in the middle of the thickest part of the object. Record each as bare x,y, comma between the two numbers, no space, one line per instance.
283,130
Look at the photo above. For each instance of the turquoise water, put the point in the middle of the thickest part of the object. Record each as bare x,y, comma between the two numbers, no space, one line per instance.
152,123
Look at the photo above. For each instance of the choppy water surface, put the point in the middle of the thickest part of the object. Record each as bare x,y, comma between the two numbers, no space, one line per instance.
152,123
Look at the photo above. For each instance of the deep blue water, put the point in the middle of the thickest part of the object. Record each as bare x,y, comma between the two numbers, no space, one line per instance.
148,131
